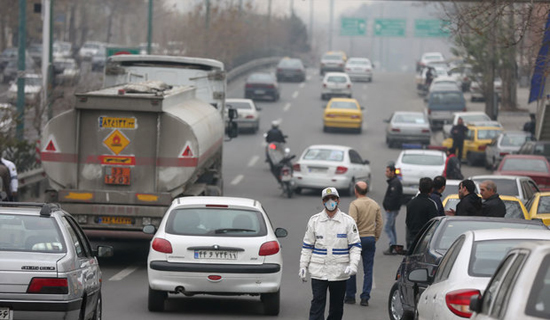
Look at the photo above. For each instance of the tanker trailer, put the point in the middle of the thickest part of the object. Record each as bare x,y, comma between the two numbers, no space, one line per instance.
118,159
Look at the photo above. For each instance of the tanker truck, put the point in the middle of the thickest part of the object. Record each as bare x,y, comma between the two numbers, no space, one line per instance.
118,159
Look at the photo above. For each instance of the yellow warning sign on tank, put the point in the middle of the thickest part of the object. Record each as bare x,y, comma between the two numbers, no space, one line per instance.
116,141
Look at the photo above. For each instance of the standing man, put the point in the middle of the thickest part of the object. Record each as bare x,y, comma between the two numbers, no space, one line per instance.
367,216
530,125
470,202
331,253
439,186
392,204
420,210
14,182
492,205
458,133
452,166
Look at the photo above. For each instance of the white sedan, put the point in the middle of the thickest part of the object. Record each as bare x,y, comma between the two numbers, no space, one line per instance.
359,69
321,166
215,245
336,84
413,164
248,117
465,271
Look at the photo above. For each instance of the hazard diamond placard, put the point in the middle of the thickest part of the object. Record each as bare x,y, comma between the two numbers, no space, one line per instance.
116,141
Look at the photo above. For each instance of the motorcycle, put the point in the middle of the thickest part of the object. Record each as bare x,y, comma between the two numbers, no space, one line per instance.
284,173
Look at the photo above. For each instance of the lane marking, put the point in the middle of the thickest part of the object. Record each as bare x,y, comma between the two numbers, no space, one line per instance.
287,106
237,179
303,84
253,161
123,274
309,77
295,94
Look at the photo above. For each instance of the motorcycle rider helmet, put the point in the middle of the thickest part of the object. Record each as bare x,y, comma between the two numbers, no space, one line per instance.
274,124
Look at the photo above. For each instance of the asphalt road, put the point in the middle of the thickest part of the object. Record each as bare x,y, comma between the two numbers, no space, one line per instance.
247,175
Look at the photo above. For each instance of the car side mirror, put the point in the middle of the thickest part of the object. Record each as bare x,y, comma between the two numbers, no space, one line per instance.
149,229
281,233
366,162
232,113
476,301
104,252
232,129
419,275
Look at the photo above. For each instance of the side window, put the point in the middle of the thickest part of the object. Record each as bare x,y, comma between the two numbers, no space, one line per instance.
492,288
470,135
449,260
76,242
83,239
534,187
527,193
423,242
499,307
355,157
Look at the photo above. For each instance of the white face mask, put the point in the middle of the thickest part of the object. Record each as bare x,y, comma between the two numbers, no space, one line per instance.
331,205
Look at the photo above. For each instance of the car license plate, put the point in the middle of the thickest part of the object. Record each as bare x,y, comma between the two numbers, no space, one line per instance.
317,170
259,92
117,176
216,254
286,177
6,313
115,220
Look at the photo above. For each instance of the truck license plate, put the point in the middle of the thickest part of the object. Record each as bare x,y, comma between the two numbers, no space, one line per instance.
215,254
114,220
5,313
117,176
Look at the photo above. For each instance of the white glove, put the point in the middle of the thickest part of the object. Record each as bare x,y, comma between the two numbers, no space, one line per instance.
303,274
349,270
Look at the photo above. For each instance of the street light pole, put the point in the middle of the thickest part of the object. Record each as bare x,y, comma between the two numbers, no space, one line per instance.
21,69
150,27
330,25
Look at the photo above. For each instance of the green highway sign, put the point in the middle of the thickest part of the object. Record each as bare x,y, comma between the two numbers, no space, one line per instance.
431,28
389,27
113,51
353,27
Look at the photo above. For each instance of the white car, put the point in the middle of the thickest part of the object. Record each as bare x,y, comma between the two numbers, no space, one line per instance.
444,80
330,165
413,164
215,245
520,287
465,271
89,49
429,57
33,88
336,84
359,69
522,187
469,117
508,142
248,117
477,93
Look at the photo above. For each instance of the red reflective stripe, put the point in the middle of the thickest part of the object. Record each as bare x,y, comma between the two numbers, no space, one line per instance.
58,157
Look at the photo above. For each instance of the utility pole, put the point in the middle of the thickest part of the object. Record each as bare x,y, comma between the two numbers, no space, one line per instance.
150,27
21,69
207,16
311,22
268,24
240,6
46,53
291,8
330,25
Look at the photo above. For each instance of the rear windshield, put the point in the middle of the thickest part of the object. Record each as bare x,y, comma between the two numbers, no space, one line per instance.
486,256
324,155
505,187
343,105
474,117
216,222
240,105
514,140
443,98
517,164
409,118
452,229
359,62
332,57
290,63
538,303
337,79
260,77
30,234
423,159
487,134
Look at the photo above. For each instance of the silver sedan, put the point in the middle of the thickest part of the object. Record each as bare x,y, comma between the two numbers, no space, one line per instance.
508,142
407,127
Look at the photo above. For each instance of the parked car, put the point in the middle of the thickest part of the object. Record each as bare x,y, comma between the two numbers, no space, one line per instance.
428,57
248,117
336,84
520,287
413,164
33,89
333,61
508,142
468,117
338,166
98,60
359,69
539,207
341,113
35,51
11,69
522,187
477,93
215,245
465,271
426,251
291,69
475,143
89,49
49,269
442,103
407,127
62,50
7,55
261,85
66,71
541,148
535,167
514,207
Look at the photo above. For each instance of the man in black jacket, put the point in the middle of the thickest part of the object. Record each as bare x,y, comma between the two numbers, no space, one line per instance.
439,186
392,204
458,133
493,206
470,202
420,210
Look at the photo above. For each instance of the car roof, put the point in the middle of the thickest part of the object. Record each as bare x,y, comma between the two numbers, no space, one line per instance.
482,127
209,200
344,100
495,219
534,246
497,234
34,209
408,112
328,74
466,113
443,87
329,146
421,151
239,100
524,156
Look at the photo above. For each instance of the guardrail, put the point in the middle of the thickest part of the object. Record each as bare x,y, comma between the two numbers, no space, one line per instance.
33,183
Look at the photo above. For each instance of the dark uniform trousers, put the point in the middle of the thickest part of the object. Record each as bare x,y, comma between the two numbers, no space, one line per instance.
337,291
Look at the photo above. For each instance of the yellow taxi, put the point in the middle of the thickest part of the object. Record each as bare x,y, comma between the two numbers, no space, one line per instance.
539,207
343,113
514,206
475,143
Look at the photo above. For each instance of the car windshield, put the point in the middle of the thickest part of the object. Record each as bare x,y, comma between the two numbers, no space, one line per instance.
538,303
324,155
240,105
332,57
474,117
215,222
522,164
544,205
30,234
409,118
337,79
260,77
433,57
343,105
484,134
290,63
486,255
505,187
453,228
423,159
90,46
513,140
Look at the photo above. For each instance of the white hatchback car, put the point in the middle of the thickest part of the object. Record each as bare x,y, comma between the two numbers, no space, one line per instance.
465,271
336,84
331,165
215,245
413,164
359,69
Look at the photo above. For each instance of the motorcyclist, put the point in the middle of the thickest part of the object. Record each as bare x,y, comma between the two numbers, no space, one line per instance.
429,78
275,134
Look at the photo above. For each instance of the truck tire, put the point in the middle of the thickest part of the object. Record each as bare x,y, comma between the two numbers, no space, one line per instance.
271,302
156,300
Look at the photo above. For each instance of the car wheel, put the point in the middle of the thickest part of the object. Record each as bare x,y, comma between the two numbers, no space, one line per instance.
359,130
98,308
271,302
325,129
156,300
298,190
395,305
488,165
